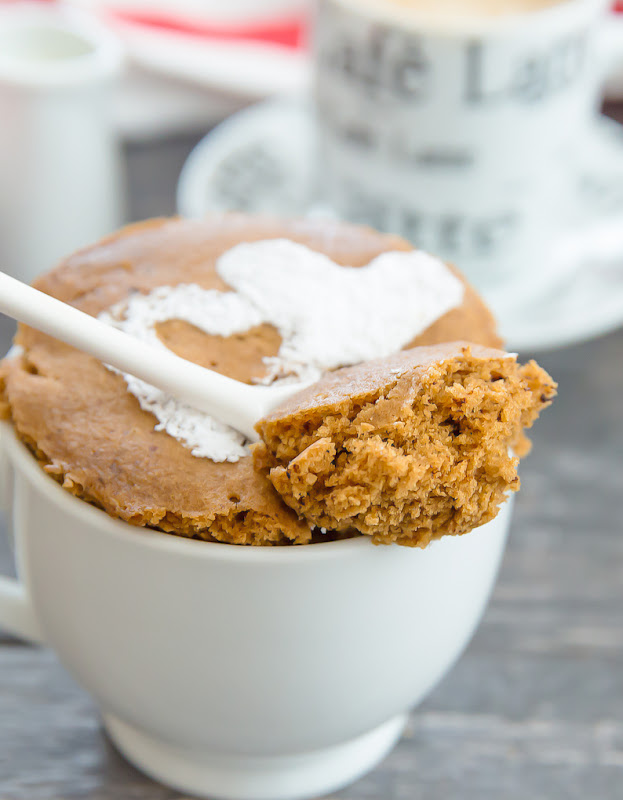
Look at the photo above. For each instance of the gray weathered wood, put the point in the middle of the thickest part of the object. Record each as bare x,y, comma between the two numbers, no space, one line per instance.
534,709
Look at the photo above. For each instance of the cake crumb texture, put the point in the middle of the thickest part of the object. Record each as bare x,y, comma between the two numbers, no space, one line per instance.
406,449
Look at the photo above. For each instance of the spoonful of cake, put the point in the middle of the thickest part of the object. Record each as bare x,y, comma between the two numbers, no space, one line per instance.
232,402
407,448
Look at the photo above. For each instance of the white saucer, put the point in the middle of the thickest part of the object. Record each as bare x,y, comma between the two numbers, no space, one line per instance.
261,160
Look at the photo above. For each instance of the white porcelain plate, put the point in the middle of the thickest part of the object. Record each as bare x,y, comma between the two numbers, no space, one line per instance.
262,160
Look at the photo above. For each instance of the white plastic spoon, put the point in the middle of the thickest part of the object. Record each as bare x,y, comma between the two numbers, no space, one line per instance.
230,401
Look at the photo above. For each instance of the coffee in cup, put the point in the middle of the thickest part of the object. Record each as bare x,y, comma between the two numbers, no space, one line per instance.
449,9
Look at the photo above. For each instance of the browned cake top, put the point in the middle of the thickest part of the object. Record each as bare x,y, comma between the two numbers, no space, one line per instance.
91,435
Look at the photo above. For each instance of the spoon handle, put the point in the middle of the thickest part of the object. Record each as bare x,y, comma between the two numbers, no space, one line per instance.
232,402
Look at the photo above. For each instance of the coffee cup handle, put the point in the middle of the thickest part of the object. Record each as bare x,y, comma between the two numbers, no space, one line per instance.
17,615
592,228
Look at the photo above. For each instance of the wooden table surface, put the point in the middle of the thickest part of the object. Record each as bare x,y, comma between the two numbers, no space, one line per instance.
534,709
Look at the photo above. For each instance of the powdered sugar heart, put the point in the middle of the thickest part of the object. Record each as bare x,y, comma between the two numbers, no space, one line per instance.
331,316
327,315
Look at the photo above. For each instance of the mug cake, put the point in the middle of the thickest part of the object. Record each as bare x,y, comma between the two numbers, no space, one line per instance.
264,300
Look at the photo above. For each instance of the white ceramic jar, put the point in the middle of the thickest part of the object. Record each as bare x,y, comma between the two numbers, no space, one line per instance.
59,160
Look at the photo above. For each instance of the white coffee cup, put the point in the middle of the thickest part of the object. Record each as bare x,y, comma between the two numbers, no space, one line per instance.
231,672
460,133
59,158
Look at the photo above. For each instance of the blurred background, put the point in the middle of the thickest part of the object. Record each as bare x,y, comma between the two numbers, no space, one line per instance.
535,707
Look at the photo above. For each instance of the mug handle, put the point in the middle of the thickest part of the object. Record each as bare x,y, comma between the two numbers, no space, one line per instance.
17,615
594,228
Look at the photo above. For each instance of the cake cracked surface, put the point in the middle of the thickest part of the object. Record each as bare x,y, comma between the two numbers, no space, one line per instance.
409,448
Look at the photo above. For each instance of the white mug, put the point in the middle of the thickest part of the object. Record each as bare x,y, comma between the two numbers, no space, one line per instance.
244,673
59,160
462,136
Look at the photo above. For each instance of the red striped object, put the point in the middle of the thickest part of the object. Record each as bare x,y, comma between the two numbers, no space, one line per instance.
287,33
